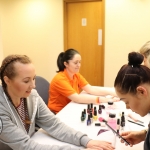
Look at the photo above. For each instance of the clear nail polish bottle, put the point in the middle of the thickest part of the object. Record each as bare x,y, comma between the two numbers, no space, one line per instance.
109,107
112,121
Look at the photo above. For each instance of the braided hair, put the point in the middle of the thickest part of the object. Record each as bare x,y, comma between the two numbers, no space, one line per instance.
8,69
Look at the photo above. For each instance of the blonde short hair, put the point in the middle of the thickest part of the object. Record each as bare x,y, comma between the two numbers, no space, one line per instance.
145,49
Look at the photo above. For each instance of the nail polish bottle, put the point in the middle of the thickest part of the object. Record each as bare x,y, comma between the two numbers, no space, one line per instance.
118,125
113,142
91,108
82,116
88,120
103,106
95,115
100,109
122,121
88,108
94,109
84,113
112,120
91,117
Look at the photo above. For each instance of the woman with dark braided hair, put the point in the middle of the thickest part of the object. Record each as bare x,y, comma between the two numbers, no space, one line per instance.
68,82
21,107
132,86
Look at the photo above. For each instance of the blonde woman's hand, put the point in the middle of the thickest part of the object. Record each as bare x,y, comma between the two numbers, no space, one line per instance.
99,145
112,98
115,99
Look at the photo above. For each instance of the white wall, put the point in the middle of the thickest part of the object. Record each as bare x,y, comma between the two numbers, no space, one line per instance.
127,28
1,46
34,28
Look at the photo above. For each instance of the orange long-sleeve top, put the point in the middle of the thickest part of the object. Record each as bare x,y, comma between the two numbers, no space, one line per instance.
61,87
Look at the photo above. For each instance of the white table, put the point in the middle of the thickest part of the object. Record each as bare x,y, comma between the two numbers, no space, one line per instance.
71,115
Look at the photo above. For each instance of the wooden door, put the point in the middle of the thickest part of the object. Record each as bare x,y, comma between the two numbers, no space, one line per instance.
82,20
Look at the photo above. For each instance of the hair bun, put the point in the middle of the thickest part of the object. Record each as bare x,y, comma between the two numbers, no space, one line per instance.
135,58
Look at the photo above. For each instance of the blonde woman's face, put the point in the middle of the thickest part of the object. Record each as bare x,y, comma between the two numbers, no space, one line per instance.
146,62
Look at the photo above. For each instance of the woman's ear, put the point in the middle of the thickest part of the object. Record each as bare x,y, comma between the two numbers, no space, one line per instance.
65,64
7,80
141,90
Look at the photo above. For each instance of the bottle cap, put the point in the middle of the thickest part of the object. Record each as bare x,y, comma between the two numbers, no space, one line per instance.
91,115
91,105
82,114
110,103
118,121
97,124
95,112
112,115
103,106
88,106
100,107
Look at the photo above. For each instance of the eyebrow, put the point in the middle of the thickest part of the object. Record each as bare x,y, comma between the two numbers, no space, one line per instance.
28,77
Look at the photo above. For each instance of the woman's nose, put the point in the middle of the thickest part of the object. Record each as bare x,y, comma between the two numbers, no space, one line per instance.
79,64
33,84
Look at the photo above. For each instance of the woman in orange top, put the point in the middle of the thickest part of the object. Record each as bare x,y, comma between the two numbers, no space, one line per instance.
66,85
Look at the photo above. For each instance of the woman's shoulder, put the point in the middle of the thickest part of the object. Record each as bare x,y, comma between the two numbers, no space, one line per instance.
59,76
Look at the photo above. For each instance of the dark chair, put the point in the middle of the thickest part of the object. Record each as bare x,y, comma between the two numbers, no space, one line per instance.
42,87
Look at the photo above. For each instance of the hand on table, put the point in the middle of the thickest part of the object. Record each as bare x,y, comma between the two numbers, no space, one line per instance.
110,99
99,145
134,137
114,99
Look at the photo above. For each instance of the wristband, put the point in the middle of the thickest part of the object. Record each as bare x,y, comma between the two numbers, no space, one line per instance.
97,100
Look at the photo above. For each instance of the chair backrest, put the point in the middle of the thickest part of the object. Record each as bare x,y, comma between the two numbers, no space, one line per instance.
42,87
